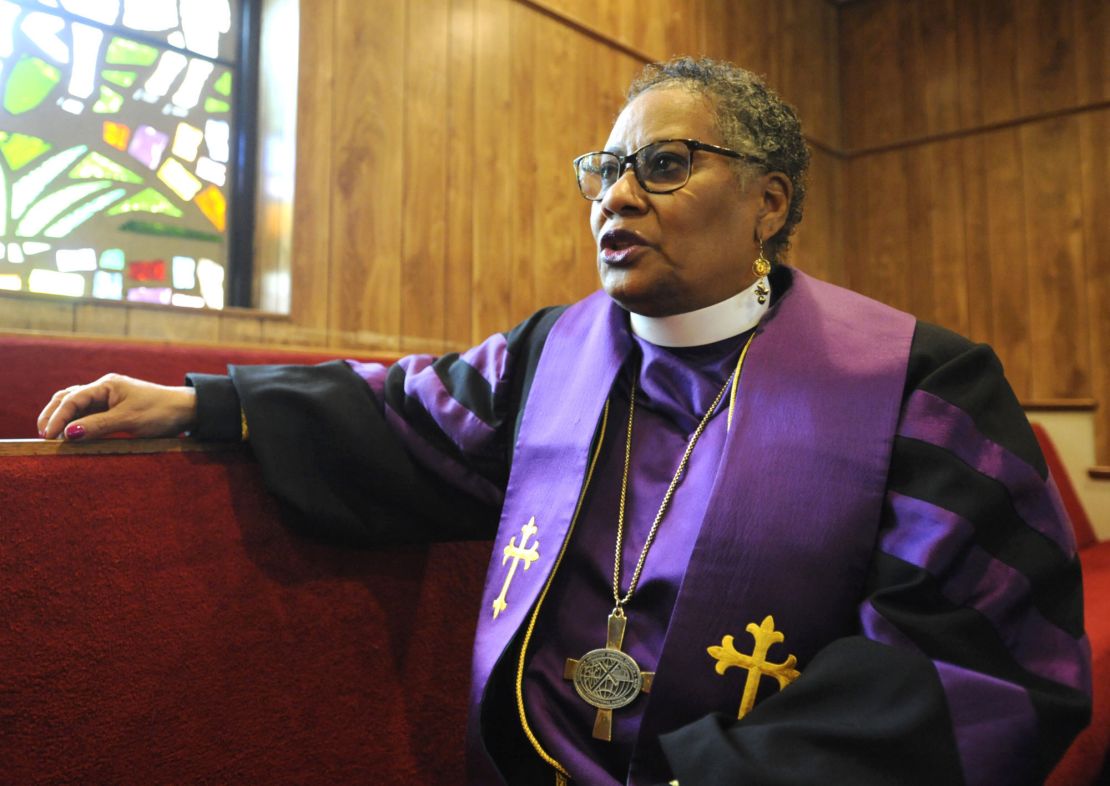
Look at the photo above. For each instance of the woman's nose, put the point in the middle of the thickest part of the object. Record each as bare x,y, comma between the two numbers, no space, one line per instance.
624,196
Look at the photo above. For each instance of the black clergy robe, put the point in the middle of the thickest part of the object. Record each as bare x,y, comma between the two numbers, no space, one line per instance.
965,657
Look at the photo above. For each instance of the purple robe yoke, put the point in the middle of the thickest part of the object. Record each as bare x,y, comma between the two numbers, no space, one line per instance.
791,523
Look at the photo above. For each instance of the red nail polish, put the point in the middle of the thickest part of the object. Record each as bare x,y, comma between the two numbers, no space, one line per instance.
75,431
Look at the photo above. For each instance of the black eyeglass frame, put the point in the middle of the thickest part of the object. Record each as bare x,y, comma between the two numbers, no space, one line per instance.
629,160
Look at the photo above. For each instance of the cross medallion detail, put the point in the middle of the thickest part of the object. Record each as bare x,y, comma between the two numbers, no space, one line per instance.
757,665
516,554
607,678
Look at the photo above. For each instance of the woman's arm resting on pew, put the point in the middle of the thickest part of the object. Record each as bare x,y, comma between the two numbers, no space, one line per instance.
115,403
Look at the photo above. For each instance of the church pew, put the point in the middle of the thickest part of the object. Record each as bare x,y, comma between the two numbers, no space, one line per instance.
159,624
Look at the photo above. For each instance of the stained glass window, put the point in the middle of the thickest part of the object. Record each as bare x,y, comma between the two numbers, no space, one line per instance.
117,141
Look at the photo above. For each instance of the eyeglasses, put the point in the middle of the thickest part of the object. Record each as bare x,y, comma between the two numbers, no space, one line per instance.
660,167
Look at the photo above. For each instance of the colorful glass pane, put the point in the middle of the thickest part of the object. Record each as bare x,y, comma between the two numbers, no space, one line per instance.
121,51
215,105
159,295
46,210
21,149
98,166
187,301
209,170
147,145
43,30
211,279
158,229
112,259
10,282
15,253
52,282
69,222
107,285
223,84
212,203
106,12
31,81
75,260
30,186
148,200
120,78
186,141
147,270
109,102
180,180
86,51
118,135
31,247
184,272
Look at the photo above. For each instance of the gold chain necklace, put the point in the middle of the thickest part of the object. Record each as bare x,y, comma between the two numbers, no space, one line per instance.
608,678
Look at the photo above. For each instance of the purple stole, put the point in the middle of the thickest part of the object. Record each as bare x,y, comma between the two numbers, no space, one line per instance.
796,503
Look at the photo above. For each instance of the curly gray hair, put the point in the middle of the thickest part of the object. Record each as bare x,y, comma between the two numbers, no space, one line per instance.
752,119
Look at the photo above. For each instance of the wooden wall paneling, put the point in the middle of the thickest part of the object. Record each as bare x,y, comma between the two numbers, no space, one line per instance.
943,180
459,166
938,69
182,325
1094,163
1006,253
424,208
1047,77
1054,242
1092,49
240,328
918,258
368,172
809,71
877,229
996,29
18,312
752,35
97,319
871,82
541,59
311,256
494,208
976,250
817,243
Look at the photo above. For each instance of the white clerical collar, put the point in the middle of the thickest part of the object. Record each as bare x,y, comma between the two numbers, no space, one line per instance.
731,317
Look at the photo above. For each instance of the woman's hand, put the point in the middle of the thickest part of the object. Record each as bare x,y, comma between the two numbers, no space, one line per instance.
115,403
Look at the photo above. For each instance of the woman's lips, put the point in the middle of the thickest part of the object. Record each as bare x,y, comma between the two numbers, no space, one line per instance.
619,246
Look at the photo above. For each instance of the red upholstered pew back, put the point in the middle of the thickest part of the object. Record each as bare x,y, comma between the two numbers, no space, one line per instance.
159,625
33,367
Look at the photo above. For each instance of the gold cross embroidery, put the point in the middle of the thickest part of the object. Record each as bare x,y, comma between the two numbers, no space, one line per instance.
516,554
765,635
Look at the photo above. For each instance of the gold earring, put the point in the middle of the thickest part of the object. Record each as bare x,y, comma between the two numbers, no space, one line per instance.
761,266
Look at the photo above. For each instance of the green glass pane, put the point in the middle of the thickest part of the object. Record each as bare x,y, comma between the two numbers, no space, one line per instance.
21,149
94,165
30,83
47,209
121,78
147,201
109,102
223,84
28,187
216,105
167,230
112,259
124,52
76,218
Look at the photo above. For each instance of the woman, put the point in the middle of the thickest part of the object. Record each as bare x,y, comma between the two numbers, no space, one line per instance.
723,490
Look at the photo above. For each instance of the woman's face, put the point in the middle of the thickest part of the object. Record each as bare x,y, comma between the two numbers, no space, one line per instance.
663,254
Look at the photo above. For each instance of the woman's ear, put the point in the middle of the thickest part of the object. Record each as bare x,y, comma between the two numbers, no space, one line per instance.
777,191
